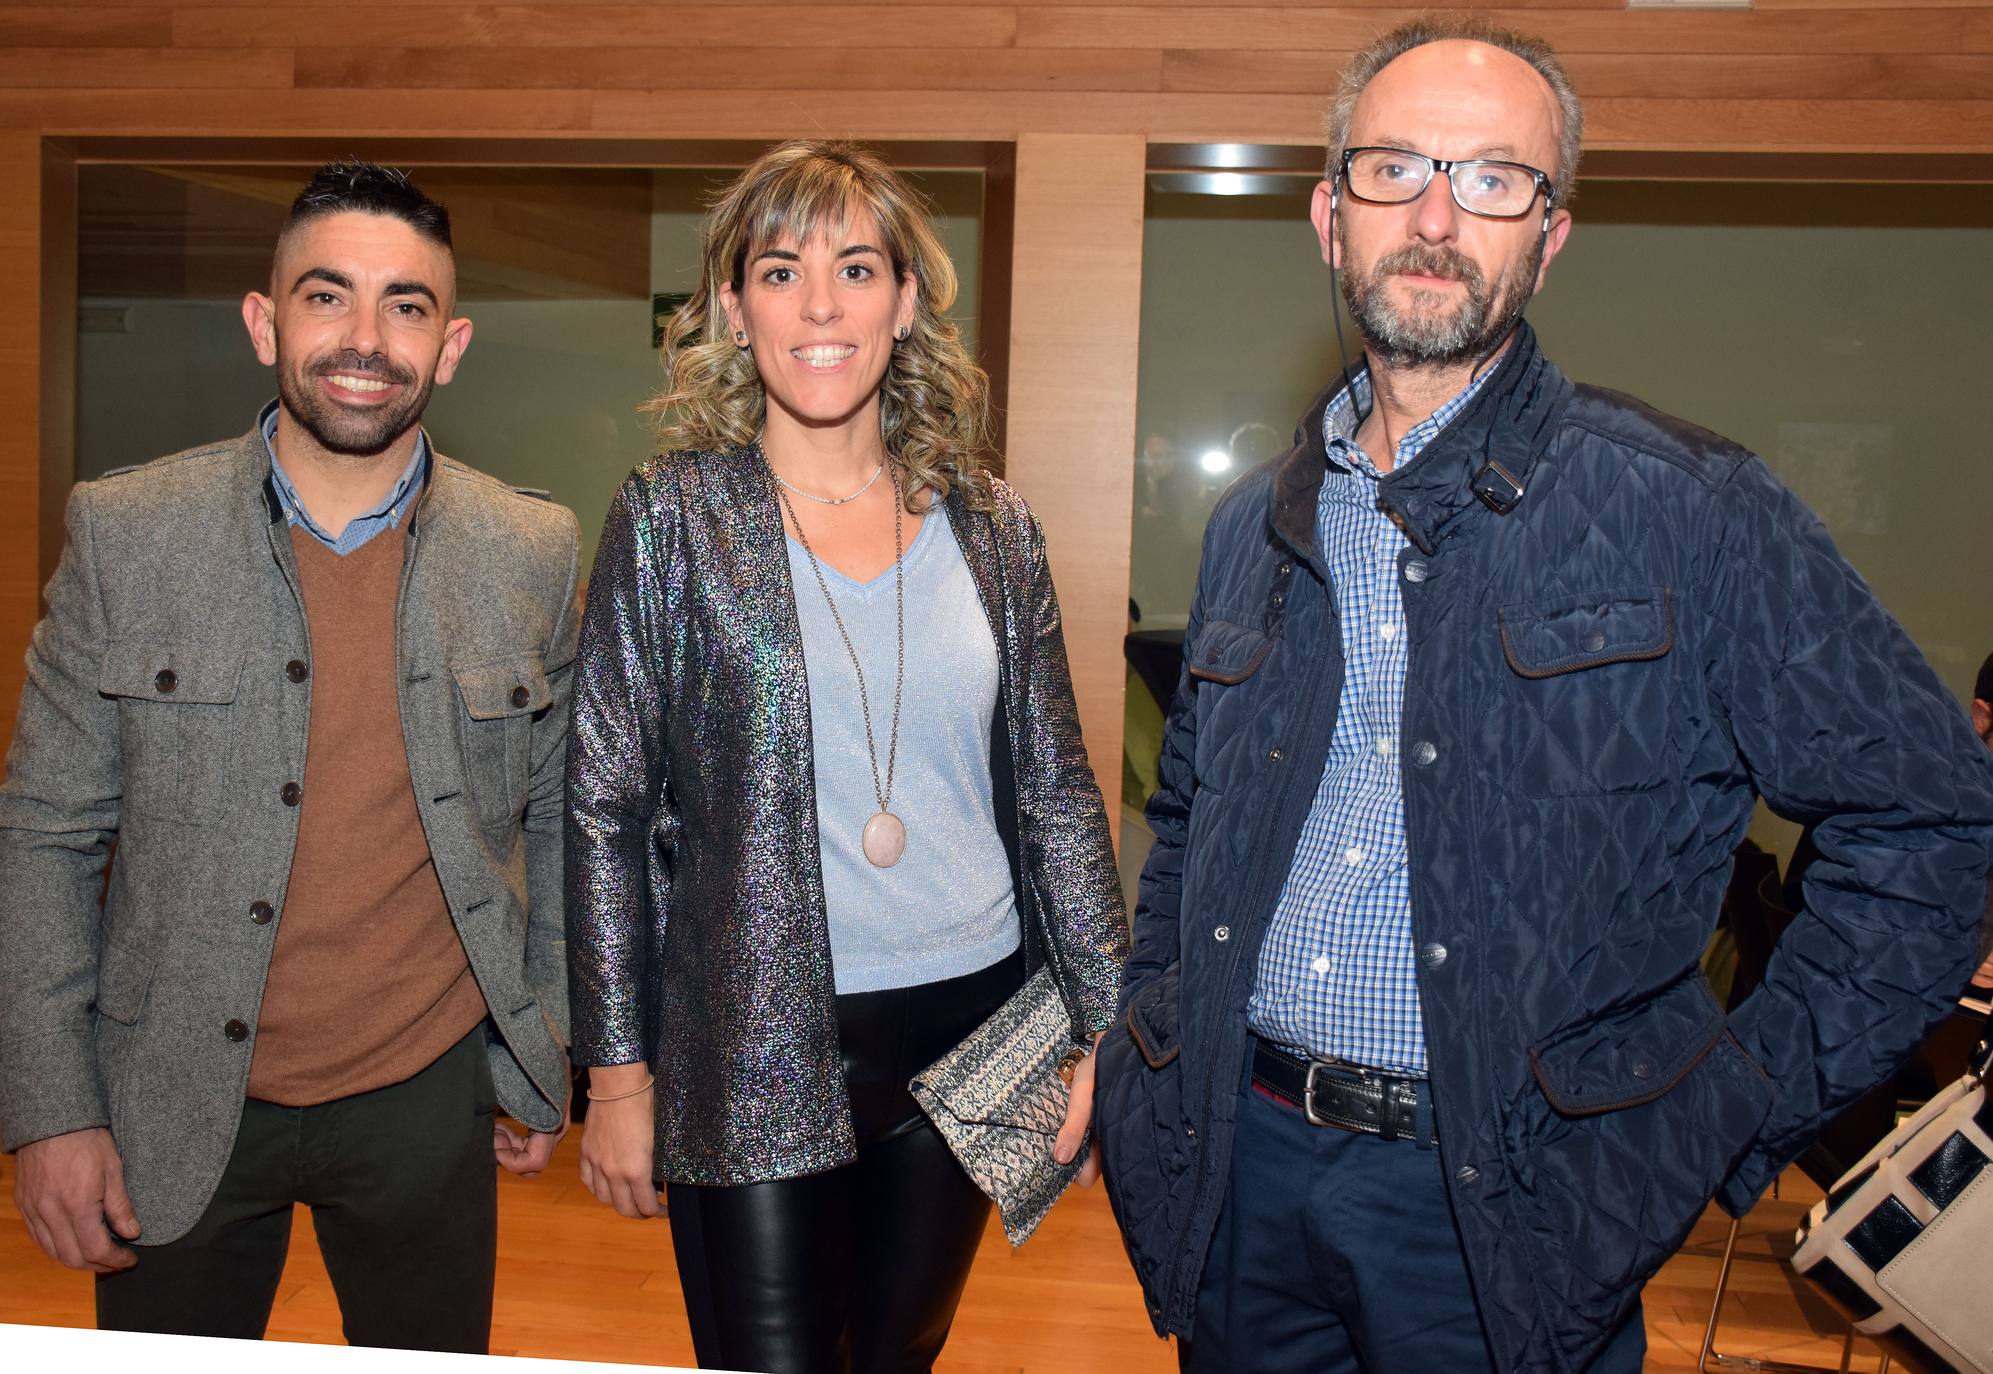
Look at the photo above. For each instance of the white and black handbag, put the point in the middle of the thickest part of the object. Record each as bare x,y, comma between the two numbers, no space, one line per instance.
1903,1243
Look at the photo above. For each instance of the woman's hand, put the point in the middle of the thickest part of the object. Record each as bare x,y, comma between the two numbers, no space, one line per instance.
1079,1115
618,1139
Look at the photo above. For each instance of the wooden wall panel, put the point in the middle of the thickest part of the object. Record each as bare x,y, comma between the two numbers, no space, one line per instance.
21,484
1075,320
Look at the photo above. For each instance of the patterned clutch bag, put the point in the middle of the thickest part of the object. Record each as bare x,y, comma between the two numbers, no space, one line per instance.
999,1098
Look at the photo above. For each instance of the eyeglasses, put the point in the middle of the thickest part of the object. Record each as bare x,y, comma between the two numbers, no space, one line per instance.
1395,176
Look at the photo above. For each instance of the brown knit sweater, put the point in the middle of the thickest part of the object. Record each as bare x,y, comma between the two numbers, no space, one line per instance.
368,982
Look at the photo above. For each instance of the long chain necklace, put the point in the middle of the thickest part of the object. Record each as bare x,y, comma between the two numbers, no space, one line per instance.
830,500
885,836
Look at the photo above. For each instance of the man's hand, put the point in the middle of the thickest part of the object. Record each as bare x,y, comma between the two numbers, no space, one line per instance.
619,1139
1079,1115
68,1188
525,1153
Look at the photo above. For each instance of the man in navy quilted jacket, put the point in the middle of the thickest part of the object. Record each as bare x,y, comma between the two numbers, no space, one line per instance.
1482,681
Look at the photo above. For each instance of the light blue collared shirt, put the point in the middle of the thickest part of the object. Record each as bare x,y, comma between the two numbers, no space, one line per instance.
1337,974
361,528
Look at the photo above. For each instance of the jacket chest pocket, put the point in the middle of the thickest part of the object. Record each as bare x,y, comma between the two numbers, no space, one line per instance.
1222,664
498,701
178,730
1589,693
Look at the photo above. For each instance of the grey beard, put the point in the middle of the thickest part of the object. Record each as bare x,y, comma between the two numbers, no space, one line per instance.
1425,338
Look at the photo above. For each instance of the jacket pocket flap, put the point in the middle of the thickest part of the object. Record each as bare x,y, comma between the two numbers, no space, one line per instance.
1588,630
1227,652
1152,1021
122,981
206,677
504,687
1630,1056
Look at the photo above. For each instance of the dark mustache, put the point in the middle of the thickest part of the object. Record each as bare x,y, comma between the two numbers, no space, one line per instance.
1431,260
373,365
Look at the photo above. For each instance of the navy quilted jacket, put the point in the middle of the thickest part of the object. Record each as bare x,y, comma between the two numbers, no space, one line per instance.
1622,629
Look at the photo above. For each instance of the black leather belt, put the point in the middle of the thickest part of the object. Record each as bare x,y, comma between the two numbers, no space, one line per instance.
1346,1096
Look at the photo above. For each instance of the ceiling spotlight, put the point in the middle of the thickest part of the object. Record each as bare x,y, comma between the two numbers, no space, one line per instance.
1215,460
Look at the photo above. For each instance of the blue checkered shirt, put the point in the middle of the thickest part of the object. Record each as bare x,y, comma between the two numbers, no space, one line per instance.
360,528
1337,975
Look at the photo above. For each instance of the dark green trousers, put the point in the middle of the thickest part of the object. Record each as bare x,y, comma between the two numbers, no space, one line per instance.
403,1195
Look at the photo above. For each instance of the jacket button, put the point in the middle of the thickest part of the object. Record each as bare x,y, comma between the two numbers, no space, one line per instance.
1284,568
1273,755
296,671
1592,642
1643,1068
290,793
1417,571
1222,934
1433,955
1424,753
262,913
1466,1174
235,1031
1277,600
166,681
520,696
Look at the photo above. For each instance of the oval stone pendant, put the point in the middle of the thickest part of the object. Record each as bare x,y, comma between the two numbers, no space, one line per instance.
885,839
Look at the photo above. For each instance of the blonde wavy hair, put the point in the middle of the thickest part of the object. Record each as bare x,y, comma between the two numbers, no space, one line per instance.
934,400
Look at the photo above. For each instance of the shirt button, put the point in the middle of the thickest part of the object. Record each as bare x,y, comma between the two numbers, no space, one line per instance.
296,671
166,681
1433,955
1424,752
1467,1174
520,696
1387,631
290,793
1384,745
1353,855
262,913
1416,570
1321,964
235,1031
1222,934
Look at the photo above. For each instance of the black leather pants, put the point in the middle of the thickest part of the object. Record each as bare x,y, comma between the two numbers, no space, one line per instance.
858,1269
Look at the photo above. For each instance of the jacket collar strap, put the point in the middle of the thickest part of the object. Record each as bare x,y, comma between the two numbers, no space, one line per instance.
1484,459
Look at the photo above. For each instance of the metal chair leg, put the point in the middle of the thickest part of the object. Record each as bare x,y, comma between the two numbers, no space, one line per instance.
1711,1358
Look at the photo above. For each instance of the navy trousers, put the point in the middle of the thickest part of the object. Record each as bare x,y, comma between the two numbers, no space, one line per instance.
1336,1253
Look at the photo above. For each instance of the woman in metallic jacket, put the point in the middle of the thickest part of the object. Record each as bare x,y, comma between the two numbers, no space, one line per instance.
828,804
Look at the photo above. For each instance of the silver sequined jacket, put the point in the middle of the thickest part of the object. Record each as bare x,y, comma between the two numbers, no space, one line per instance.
697,937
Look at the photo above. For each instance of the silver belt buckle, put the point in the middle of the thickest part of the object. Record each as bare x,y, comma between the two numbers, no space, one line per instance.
1308,1096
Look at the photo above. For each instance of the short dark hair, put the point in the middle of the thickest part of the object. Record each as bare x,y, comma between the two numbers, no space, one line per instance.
373,190
1982,690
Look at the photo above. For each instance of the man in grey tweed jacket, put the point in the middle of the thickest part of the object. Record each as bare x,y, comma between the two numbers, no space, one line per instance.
308,690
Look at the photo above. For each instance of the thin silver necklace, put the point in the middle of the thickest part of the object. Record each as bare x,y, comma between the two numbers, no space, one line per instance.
884,839
828,500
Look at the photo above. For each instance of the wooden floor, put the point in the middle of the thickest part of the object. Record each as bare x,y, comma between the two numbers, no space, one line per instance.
578,1282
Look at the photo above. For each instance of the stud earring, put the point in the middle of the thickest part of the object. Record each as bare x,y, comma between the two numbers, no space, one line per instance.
900,334
740,337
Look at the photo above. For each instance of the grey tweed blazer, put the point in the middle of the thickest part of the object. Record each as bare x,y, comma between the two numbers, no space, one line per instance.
159,725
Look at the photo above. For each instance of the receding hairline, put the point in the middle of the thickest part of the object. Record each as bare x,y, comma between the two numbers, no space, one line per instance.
1476,47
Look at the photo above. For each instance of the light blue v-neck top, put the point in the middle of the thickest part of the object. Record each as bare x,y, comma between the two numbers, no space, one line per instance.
947,907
